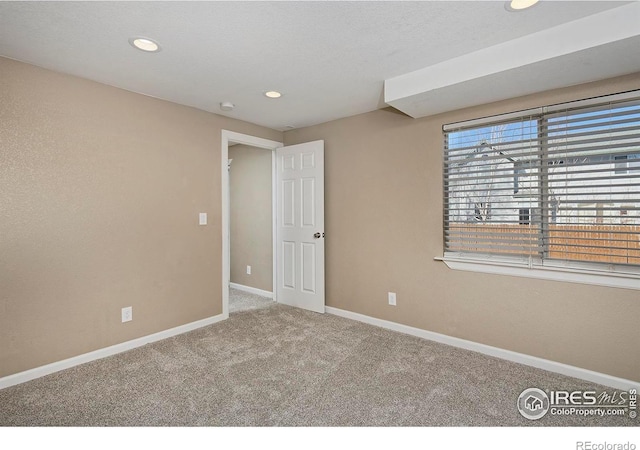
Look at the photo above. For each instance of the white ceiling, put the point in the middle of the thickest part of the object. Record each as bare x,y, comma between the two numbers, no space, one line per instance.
330,59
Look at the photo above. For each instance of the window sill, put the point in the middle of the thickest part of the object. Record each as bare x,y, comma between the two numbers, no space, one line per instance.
624,280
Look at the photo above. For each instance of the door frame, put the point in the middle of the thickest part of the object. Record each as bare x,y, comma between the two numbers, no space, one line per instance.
239,138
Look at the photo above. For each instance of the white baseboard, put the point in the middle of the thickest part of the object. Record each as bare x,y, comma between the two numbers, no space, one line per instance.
41,371
540,363
521,358
251,290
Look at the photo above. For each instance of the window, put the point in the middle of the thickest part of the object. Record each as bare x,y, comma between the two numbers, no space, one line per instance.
559,186
621,164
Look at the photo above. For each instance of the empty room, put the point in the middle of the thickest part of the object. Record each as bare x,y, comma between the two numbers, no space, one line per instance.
320,214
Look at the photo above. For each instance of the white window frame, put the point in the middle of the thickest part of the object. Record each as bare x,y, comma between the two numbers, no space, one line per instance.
601,274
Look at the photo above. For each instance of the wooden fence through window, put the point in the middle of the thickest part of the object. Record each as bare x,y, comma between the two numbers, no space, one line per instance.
615,244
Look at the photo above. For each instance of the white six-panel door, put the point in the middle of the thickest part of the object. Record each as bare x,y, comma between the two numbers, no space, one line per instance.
300,225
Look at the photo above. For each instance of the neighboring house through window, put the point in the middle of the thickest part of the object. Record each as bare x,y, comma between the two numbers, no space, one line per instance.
556,184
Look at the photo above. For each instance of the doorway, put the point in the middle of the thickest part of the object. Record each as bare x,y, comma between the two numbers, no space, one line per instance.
297,204
230,138
250,229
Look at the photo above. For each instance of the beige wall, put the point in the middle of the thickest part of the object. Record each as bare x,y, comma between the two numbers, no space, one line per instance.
251,217
384,227
100,191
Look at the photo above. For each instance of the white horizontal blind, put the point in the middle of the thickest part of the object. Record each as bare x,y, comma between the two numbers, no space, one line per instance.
561,185
593,193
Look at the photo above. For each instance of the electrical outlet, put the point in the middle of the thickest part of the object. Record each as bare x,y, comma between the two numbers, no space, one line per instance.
127,314
392,298
248,270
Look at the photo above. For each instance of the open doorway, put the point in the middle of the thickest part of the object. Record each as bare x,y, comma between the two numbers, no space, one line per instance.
298,232
250,228
248,161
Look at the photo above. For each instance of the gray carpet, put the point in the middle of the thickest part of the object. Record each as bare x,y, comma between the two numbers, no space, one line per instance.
273,365
240,301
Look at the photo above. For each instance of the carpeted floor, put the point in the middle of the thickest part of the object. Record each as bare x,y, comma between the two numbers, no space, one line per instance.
240,301
273,365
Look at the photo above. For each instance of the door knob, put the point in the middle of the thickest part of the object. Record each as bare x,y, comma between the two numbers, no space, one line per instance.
316,236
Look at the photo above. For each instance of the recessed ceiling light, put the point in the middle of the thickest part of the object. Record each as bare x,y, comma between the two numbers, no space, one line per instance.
144,44
519,5
273,94
227,106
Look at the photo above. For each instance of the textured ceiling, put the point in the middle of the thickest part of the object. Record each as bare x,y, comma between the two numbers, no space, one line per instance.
330,59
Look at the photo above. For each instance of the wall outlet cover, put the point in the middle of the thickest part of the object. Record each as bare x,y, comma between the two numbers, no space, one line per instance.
127,314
